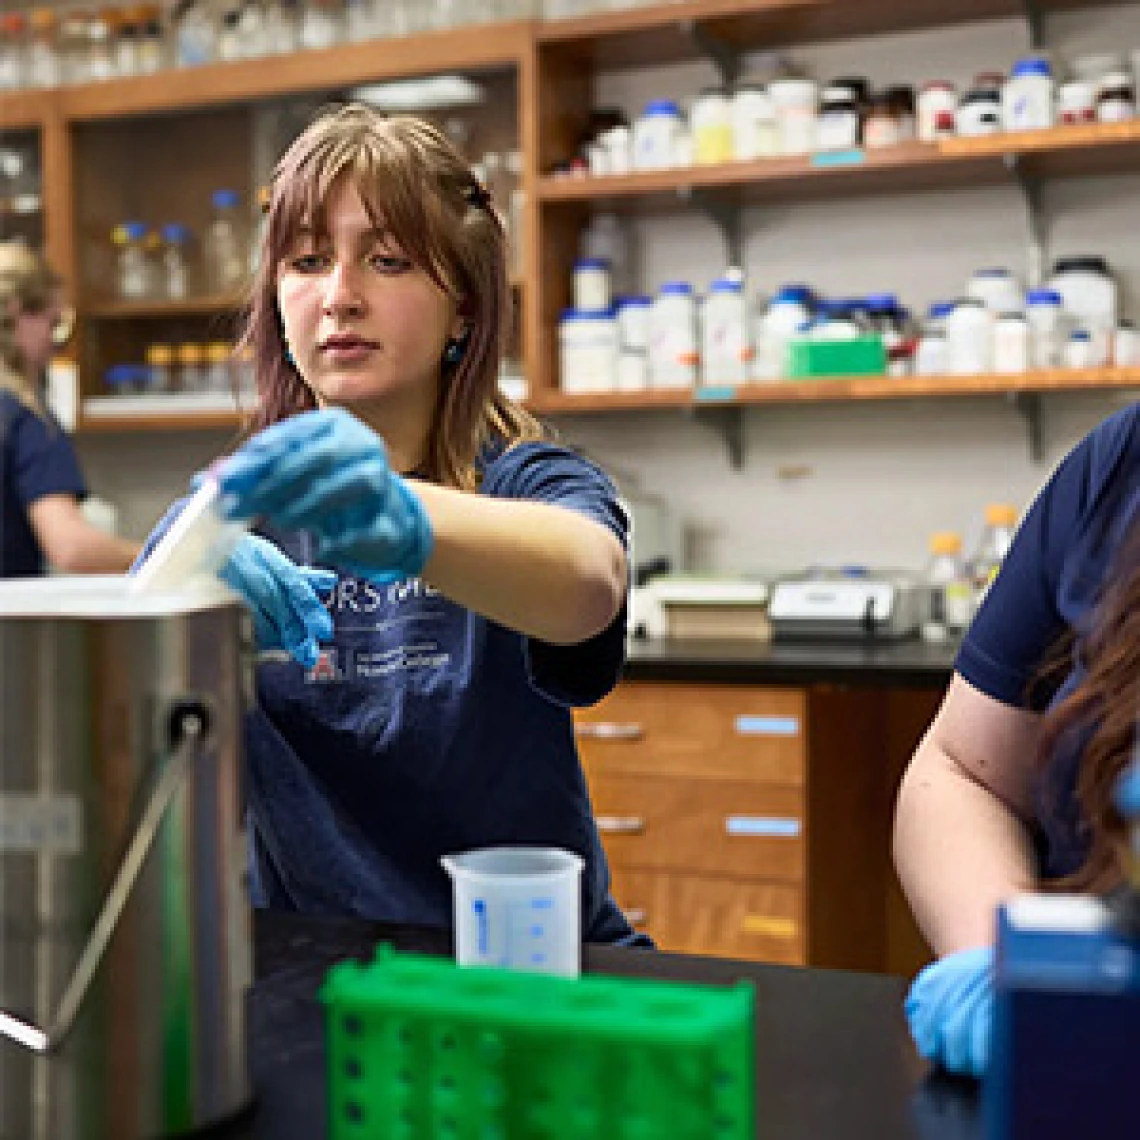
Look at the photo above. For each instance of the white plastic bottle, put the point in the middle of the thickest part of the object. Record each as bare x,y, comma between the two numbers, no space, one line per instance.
673,352
788,312
1028,98
726,348
225,249
949,592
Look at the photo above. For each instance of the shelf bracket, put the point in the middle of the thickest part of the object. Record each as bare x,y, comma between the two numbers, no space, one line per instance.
728,422
1031,192
1028,406
1035,21
725,57
723,214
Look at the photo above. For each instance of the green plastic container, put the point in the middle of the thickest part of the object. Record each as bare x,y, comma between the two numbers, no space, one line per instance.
863,356
420,1049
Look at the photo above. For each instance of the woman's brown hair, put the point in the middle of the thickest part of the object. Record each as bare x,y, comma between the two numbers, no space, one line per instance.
410,177
1099,719
27,285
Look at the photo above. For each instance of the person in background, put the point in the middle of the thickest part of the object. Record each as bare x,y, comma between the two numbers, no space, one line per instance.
41,485
1012,788
475,572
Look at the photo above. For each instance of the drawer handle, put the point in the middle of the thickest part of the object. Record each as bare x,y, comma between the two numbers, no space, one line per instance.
621,824
769,926
603,730
636,916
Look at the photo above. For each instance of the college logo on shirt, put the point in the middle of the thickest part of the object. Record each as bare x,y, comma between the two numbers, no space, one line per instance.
326,668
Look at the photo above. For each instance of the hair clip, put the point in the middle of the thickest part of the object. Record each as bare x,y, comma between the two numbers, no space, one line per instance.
477,194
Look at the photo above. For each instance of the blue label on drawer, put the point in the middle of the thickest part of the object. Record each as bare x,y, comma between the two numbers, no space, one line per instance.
772,827
837,158
714,393
768,725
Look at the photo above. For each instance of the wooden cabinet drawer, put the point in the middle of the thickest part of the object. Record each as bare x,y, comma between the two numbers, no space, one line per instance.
714,731
723,826
702,914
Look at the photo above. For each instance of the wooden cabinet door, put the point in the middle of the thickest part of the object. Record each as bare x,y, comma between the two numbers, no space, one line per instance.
728,827
731,732
704,914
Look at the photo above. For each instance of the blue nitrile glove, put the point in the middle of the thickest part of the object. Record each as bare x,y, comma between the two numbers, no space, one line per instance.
325,472
950,1010
283,597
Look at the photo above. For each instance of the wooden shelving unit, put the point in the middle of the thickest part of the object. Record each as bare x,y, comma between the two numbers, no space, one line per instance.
841,388
206,111
1061,152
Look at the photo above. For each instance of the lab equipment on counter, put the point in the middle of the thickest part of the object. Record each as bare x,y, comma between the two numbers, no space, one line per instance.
497,1053
125,947
702,609
880,604
518,908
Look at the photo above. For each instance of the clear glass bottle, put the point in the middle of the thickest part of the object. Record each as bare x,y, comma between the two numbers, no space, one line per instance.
282,26
126,44
73,46
175,275
225,250
321,24
993,546
153,48
43,61
195,36
133,272
13,35
949,591
100,55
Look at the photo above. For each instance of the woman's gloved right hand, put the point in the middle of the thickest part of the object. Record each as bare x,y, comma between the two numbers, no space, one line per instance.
285,598
950,1010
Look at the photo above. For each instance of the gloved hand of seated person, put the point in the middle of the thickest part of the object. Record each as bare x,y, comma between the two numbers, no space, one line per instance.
285,598
327,473
950,1010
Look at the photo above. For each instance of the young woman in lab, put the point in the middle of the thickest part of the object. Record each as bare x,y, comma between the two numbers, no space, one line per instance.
1012,788
480,570
41,484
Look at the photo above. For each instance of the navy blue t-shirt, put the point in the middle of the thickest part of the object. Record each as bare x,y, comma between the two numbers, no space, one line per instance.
36,459
1052,578
426,729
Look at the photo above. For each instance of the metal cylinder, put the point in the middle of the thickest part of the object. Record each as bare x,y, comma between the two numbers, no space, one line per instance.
95,689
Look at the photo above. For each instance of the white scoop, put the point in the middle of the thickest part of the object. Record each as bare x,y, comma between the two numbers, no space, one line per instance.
196,546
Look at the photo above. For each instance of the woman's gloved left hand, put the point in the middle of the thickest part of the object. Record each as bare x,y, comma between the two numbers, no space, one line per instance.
950,1010
327,473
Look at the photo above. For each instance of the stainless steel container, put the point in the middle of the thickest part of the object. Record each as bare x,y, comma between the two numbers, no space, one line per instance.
125,947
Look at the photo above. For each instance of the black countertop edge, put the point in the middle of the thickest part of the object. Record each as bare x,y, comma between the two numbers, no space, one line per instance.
905,663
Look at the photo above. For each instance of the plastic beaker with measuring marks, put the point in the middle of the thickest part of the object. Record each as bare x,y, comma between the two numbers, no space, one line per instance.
518,907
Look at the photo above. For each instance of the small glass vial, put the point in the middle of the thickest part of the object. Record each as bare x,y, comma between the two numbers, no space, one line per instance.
191,373
218,377
1045,318
159,362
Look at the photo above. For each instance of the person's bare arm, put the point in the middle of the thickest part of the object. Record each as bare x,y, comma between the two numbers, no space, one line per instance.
71,544
546,571
961,843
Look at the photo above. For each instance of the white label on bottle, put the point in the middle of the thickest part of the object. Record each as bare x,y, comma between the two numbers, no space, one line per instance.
41,823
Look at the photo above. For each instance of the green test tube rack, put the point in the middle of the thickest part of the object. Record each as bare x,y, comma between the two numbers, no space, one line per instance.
421,1049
